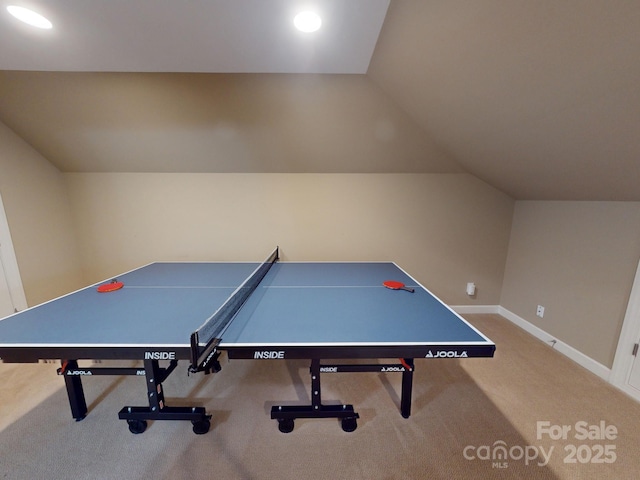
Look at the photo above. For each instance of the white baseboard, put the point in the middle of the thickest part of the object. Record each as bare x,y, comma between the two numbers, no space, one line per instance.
564,348
476,308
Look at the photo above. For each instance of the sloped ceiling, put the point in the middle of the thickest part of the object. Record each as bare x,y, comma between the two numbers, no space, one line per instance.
540,99
182,122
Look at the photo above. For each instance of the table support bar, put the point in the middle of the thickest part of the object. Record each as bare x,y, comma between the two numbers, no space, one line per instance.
286,414
136,417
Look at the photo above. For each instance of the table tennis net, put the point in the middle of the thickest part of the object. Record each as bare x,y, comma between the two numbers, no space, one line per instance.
207,337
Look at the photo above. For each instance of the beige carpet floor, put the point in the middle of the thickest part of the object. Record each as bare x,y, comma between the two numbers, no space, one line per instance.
465,413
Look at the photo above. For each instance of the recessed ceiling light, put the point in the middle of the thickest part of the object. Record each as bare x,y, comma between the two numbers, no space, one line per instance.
307,21
29,16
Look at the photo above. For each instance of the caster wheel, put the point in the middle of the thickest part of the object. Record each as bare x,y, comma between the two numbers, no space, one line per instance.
285,425
349,424
200,427
137,426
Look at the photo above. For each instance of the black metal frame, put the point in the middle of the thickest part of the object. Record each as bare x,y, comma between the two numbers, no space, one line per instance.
346,351
136,417
286,414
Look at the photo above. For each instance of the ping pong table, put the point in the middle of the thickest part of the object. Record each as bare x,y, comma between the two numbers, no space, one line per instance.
167,312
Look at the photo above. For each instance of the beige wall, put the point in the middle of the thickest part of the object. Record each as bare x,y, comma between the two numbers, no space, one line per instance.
445,229
578,260
37,209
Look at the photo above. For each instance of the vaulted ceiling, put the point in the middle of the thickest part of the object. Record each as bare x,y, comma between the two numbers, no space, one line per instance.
539,99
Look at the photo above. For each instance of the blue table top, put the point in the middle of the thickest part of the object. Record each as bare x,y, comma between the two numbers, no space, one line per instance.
344,303
296,303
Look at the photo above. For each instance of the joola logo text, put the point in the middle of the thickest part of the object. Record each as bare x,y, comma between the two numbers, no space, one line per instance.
159,355
79,372
446,354
267,354
392,369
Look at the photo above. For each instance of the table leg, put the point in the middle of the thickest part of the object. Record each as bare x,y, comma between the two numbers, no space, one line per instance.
75,392
407,387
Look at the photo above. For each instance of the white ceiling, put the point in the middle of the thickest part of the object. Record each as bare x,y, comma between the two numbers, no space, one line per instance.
230,36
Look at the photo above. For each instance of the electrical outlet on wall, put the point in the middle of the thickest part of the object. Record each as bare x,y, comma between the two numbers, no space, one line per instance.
471,289
540,311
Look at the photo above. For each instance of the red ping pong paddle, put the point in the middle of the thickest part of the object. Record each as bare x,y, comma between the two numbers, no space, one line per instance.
393,285
112,286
